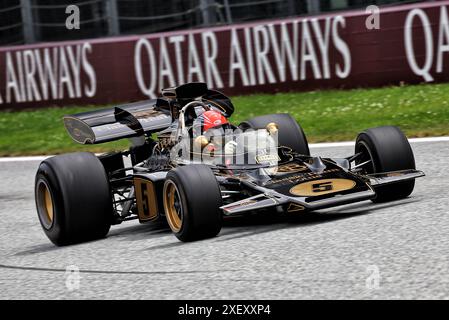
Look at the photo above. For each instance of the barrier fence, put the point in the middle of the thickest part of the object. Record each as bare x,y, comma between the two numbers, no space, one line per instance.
31,21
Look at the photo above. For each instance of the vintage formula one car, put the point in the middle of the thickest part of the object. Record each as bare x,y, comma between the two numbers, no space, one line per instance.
189,165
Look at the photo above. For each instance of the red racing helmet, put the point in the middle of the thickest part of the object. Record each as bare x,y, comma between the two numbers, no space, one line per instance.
209,120
212,119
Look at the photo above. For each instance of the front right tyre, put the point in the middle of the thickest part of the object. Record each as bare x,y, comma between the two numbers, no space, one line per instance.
192,201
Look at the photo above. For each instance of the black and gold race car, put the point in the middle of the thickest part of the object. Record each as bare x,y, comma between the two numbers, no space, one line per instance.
189,165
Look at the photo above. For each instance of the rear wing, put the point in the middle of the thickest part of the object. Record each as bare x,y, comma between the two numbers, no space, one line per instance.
123,121
136,119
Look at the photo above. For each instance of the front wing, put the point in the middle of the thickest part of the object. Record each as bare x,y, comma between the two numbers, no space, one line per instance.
324,199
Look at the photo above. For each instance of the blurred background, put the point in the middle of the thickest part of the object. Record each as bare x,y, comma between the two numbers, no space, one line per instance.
38,82
31,21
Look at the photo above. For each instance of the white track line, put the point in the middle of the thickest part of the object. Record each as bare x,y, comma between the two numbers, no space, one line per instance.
312,146
23,159
351,143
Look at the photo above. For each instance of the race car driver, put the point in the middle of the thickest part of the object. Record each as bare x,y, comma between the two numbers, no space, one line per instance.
210,130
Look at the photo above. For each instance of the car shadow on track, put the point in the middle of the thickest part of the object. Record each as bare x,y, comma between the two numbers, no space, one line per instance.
268,221
141,231
40,248
256,224
238,227
134,232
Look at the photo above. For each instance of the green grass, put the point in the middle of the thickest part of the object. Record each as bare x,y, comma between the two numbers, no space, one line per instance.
421,110
42,132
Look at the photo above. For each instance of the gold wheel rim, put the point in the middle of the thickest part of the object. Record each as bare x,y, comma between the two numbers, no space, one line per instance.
173,206
46,203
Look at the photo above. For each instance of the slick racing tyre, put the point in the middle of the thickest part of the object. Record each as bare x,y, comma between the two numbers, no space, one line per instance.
192,201
73,199
389,150
290,132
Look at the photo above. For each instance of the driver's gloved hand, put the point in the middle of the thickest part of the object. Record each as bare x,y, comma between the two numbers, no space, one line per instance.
230,147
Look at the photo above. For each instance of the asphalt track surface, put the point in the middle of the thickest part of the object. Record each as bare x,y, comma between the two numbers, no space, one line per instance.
359,251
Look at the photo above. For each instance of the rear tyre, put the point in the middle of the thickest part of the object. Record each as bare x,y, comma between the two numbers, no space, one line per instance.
290,132
389,150
192,201
73,199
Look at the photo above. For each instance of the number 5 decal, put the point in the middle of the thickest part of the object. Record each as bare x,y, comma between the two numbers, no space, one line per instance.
145,199
322,187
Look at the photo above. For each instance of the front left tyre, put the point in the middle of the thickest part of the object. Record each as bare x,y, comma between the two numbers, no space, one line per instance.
73,198
192,201
290,134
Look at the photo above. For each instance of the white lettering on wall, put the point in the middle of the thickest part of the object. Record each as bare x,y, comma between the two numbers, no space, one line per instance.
11,81
30,72
194,66
286,50
261,49
64,76
147,89
424,70
210,48
323,43
177,41
165,69
443,38
341,71
308,53
90,72
48,73
236,61
298,50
